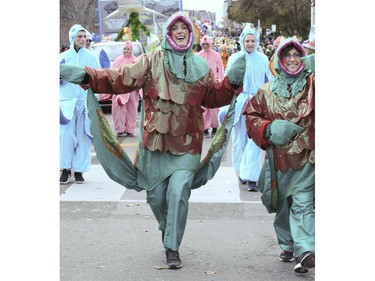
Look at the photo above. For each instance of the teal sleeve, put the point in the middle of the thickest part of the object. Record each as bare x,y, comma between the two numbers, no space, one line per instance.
72,73
283,131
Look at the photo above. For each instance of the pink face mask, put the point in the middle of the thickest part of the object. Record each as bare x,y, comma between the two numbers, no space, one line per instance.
129,45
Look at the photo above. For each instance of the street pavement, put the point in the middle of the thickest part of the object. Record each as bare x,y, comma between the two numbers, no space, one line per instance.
108,233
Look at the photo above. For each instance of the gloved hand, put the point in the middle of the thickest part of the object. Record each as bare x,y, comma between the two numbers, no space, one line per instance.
309,61
236,69
282,131
72,73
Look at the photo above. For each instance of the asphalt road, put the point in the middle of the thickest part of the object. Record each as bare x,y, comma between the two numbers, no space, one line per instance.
108,233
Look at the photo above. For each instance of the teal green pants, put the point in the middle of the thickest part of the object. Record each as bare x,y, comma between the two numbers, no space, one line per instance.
169,201
295,222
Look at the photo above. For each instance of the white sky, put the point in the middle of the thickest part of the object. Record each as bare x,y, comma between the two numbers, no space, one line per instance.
215,6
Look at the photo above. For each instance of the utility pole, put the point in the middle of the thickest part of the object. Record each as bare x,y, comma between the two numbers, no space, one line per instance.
100,21
312,12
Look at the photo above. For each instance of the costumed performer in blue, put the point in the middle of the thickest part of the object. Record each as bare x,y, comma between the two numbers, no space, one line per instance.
75,136
280,119
176,83
247,157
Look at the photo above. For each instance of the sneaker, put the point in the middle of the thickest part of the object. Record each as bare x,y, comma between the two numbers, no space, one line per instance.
286,256
252,186
121,135
242,181
129,135
214,130
173,259
206,134
78,177
65,175
304,262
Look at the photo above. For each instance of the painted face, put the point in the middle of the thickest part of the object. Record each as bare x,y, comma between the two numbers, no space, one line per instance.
180,34
205,46
292,60
80,40
249,43
126,51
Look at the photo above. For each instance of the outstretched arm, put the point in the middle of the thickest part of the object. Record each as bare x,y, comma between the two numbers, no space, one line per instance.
256,121
221,93
116,81
72,73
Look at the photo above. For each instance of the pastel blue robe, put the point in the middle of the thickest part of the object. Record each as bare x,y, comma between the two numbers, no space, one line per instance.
246,155
75,136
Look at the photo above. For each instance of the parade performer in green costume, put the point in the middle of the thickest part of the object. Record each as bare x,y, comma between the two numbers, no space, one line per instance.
280,119
175,83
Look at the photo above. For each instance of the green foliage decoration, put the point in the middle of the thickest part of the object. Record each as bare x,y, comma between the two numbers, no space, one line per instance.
135,26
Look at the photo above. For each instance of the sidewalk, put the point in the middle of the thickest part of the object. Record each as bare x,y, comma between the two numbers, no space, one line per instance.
99,187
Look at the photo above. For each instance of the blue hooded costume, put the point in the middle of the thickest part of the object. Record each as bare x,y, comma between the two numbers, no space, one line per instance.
75,137
246,155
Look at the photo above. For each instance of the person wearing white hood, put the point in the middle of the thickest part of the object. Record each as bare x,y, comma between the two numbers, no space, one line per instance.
246,155
88,41
75,137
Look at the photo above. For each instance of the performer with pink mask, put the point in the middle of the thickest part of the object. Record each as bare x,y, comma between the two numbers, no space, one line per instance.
213,58
124,107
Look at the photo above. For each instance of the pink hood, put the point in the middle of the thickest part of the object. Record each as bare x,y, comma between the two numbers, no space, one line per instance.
213,58
121,60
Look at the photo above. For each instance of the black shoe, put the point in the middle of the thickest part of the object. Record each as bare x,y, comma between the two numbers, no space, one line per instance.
252,186
78,177
214,130
242,181
121,135
173,259
206,134
304,262
129,135
65,175
286,256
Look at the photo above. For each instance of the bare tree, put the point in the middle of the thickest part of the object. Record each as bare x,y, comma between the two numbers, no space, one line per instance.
83,12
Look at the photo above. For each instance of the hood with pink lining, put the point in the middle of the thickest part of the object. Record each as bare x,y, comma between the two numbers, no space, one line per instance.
181,61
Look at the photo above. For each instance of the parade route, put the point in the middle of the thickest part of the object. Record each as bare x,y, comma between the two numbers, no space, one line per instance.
108,232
